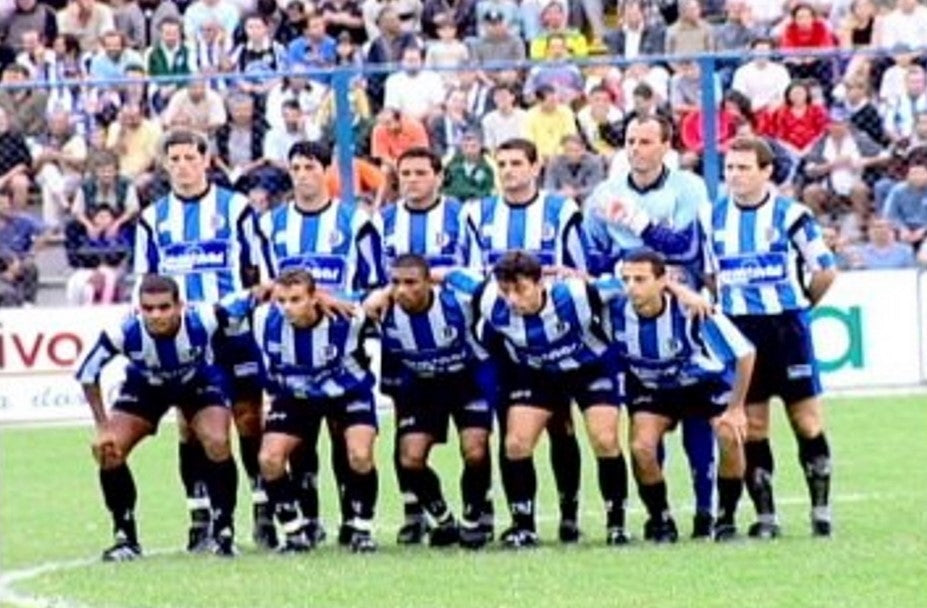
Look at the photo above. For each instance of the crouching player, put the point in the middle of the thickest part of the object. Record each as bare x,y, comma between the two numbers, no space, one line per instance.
678,366
427,332
316,369
170,363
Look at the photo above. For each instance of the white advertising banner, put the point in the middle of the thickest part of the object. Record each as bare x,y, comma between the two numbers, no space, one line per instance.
866,331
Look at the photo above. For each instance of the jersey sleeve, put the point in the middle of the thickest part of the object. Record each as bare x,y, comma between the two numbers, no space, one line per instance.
474,246
724,339
234,309
368,243
805,233
572,237
255,245
109,344
608,288
466,284
601,251
147,255
266,228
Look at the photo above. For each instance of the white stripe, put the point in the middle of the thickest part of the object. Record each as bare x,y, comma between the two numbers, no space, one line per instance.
320,341
293,231
632,330
328,224
500,224
764,227
287,342
182,342
208,211
665,337
404,328
732,245
534,222
402,229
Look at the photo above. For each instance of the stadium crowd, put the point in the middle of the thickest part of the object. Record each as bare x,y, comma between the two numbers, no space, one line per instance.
849,130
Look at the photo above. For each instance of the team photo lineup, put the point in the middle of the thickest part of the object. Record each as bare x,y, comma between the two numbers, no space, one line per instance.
498,314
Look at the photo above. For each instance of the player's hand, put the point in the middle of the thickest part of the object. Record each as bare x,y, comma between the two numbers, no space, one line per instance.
263,291
694,304
564,272
334,308
104,447
735,418
377,303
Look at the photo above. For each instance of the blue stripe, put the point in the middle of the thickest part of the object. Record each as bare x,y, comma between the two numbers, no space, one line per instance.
191,232
747,244
308,230
302,344
418,230
421,331
515,238
718,342
166,349
648,339
679,322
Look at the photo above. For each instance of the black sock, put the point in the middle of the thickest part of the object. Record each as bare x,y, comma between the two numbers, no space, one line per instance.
120,496
362,495
522,497
192,458
427,487
758,477
342,471
488,510
565,462
613,484
304,471
250,447
729,491
411,507
814,455
653,495
474,489
281,494
222,478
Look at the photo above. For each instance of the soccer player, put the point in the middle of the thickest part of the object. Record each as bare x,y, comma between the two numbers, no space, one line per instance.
316,368
678,365
621,215
339,244
771,266
426,329
208,239
554,339
424,223
549,226
169,352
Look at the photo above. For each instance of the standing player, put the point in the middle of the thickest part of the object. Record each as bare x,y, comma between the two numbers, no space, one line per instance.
771,266
316,368
678,366
427,330
549,226
207,238
554,340
170,363
339,245
423,223
623,214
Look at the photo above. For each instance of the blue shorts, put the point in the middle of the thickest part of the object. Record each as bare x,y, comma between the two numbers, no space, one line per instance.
427,405
705,400
240,358
150,401
593,384
303,417
785,363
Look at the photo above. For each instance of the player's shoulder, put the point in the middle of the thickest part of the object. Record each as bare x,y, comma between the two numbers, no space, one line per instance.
792,209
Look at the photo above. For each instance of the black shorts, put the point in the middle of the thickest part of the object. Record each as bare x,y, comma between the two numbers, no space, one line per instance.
785,363
426,406
303,417
150,402
593,384
240,359
704,400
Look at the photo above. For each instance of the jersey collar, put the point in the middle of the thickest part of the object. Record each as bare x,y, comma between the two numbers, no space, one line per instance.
656,185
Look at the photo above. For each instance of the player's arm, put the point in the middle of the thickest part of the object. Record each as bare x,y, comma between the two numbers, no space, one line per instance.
107,346
806,234
369,245
726,341
573,242
255,247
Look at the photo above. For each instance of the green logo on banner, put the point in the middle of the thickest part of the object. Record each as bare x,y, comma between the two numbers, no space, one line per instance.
851,321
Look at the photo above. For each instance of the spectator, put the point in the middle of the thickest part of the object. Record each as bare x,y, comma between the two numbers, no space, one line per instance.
24,106
415,92
798,123
505,11
135,140
293,22
762,80
469,175
316,49
394,134
506,122
273,16
657,13
893,83
554,23
210,51
195,106
475,90
20,235
168,57
805,30
446,130
766,15
447,52
860,27
344,16
883,252
644,102
130,22
388,47
369,181
460,13
29,15
656,77
557,72
574,172
900,111
155,12
691,34
113,58
103,189
686,89
280,139
59,156
308,94
736,33
497,42
87,20
259,59
202,13
99,281
601,122
15,162
548,122
863,114
240,149
906,204
841,157
906,24
36,57
408,15
844,256
635,38
360,113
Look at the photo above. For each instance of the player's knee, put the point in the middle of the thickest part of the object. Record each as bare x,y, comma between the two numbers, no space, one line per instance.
473,450
272,462
806,418
412,459
644,452
757,428
517,447
604,441
216,444
360,457
727,437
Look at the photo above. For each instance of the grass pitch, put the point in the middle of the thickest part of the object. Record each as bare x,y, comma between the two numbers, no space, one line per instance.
53,525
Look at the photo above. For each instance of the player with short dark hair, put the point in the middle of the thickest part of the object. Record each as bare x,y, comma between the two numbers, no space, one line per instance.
426,330
771,266
678,366
170,363
207,237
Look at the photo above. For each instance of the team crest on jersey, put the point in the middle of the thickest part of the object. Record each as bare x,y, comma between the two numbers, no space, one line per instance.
448,334
335,239
674,345
442,239
561,328
772,235
548,231
330,352
217,222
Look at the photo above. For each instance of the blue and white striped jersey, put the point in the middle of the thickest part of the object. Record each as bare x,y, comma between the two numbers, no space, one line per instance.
674,350
323,361
160,361
673,205
550,227
339,245
566,334
761,255
434,342
206,244
439,233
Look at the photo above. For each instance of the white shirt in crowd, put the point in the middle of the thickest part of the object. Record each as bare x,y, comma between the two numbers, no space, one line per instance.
416,95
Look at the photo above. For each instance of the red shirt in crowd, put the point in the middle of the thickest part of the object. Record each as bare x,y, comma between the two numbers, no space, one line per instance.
818,36
799,131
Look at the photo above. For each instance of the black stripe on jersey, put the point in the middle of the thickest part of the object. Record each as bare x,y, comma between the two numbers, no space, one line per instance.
801,263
